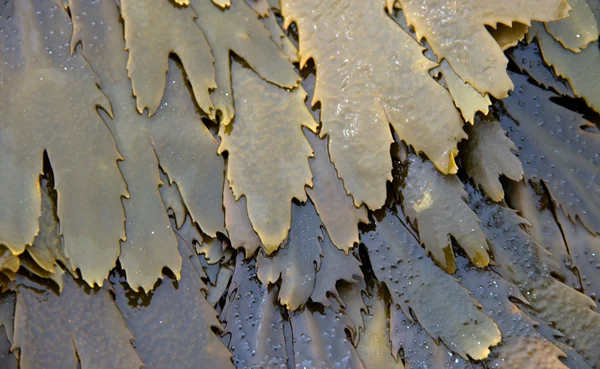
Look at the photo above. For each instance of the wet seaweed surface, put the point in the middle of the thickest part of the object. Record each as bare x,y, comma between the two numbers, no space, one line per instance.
299,184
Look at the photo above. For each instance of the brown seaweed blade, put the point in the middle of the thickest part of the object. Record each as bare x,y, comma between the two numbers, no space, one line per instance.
209,262
7,313
573,359
211,248
333,204
353,305
570,312
308,264
488,154
240,231
268,152
253,319
279,37
581,69
577,30
419,349
77,326
46,254
375,346
336,266
509,36
584,248
320,340
335,207
50,105
456,32
218,289
171,196
237,29
172,324
371,73
528,59
411,344
436,204
297,261
7,359
375,349
221,3
261,7
522,346
187,152
556,149
47,249
535,206
169,29
444,308
467,99
521,261
9,263
175,138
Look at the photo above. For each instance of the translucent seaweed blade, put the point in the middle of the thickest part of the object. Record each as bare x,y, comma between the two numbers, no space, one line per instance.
254,320
456,32
308,265
7,358
522,346
521,261
267,152
170,28
240,231
336,266
444,308
577,30
375,346
335,207
374,76
467,99
579,69
535,206
297,261
419,349
488,154
237,29
150,243
174,138
173,323
508,36
63,121
555,148
584,249
436,204
351,297
59,331
320,340
528,58
47,248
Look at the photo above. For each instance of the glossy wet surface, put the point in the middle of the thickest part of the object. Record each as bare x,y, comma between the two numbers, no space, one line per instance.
177,193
